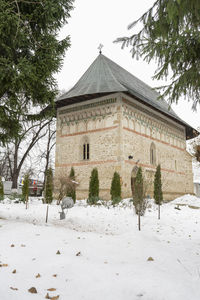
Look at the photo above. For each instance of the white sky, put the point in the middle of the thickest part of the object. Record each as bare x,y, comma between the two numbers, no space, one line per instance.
93,22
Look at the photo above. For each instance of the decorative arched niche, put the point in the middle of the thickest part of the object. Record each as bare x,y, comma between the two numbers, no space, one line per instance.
153,154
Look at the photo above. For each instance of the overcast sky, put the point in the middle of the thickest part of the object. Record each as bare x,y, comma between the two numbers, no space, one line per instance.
102,21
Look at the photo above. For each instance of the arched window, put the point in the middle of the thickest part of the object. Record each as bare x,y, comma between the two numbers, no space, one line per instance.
85,149
153,154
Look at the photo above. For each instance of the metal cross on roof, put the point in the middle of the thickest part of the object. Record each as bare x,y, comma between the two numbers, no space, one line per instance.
100,47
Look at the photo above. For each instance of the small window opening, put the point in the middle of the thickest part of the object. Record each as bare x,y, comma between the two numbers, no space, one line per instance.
86,151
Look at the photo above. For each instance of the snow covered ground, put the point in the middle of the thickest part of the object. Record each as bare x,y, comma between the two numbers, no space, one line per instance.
102,253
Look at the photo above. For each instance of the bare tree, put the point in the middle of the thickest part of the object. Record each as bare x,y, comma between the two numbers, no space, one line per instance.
19,148
47,151
4,164
64,183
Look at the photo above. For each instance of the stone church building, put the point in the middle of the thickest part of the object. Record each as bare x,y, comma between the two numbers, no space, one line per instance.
113,121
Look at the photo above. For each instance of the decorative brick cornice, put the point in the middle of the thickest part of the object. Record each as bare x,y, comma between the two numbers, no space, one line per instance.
86,112
153,139
153,115
88,131
86,163
87,106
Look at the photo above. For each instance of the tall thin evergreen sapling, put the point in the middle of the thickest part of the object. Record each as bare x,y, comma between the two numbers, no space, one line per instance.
158,195
49,186
93,187
25,189
138,195
115,189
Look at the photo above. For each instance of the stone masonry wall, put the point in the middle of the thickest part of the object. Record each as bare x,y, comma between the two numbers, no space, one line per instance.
98,124
115,127
143,127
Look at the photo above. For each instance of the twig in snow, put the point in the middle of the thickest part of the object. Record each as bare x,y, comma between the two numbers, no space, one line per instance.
184,267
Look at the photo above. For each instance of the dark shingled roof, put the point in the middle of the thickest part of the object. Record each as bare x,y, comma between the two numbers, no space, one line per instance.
105,77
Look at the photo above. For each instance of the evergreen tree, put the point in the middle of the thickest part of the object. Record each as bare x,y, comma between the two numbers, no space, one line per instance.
170,34
93,196
158,195
115,189
71,189
49,186
138,194
31,54
1,189
25,189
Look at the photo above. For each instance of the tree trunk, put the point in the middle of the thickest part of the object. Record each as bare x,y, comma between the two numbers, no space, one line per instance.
15,172
159,211
15,179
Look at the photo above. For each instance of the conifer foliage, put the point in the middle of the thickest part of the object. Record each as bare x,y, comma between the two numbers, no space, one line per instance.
93,196
170,34
115,189
138,195
71,189
49,186
31,53
1,189
158,195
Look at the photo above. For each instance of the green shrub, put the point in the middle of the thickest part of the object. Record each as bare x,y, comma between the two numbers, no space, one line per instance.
49,186
139,199
158,195
93,200
25,188
93,187
116,201
71,189
115,189
17,197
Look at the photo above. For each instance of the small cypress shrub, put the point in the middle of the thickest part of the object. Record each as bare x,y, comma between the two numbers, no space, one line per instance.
138,195
158,195
49,186
138,190
25,189
93,196
115,189
1,189
71,190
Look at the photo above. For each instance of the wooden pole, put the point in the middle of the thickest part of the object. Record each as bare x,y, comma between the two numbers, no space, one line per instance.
139,220
47,213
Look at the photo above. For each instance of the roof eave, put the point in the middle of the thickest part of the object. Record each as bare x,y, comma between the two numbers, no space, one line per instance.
78,99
